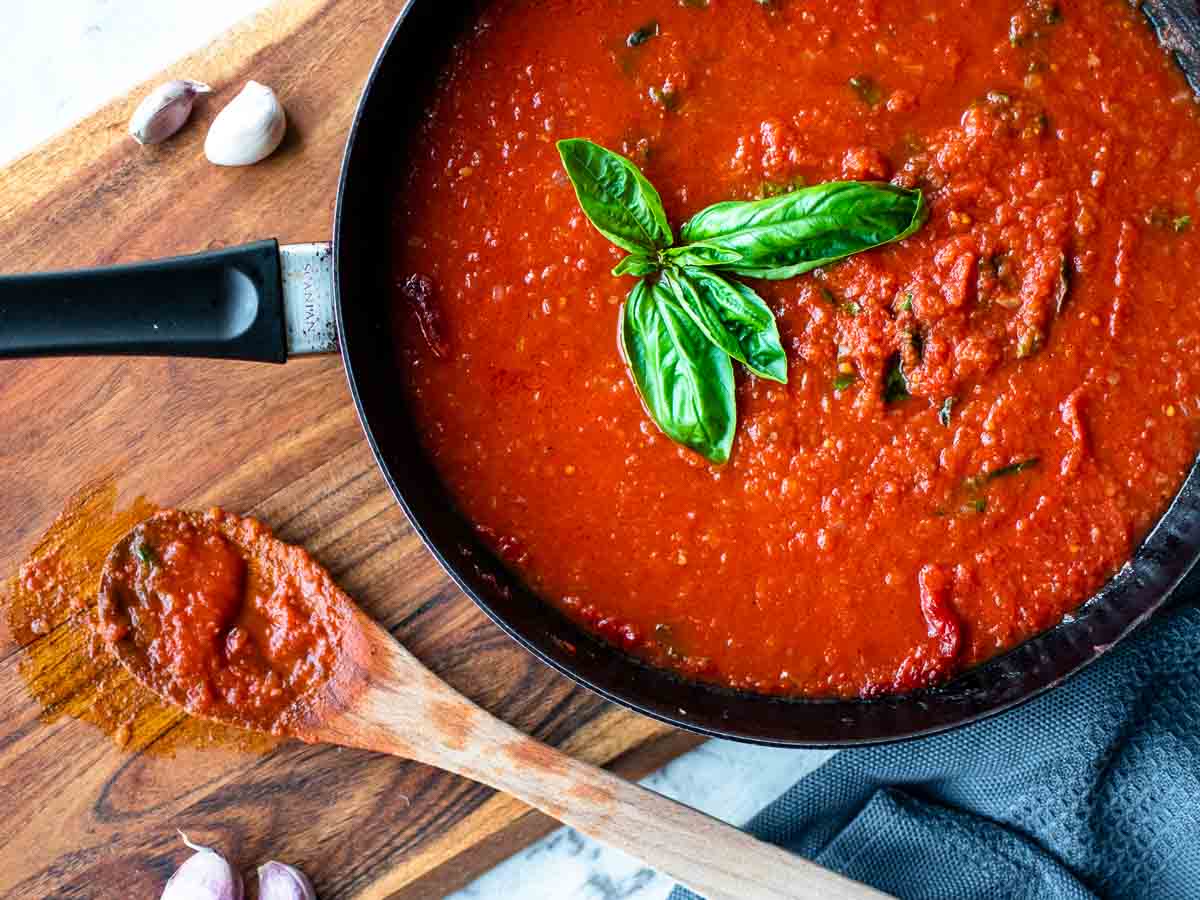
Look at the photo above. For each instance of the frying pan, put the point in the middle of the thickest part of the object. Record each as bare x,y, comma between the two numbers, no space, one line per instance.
262,302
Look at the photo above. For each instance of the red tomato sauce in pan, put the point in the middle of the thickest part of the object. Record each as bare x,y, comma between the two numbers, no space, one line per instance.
1046,317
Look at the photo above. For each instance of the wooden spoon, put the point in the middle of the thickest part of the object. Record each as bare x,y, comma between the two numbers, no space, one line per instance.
199,606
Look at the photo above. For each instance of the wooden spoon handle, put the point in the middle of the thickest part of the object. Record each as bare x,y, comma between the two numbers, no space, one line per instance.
407,711
714,859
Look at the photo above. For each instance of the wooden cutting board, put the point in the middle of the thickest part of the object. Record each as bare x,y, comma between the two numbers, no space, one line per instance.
82,817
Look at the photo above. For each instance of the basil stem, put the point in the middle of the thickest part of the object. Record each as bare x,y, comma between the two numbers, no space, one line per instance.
616,197
637,264
685,380
785,236
702,254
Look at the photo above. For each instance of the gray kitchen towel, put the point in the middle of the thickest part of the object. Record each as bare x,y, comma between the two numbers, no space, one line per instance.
1091,790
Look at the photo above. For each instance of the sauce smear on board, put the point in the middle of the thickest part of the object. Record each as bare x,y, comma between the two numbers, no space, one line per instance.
49,610
980,422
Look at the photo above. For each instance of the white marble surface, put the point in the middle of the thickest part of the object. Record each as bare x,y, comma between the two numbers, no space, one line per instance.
61,59
724,779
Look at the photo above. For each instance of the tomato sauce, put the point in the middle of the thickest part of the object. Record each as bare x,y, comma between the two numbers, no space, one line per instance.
223,619
855,543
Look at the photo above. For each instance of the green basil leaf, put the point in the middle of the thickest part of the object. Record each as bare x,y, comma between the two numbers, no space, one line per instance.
637,264
785,236
702,312
616,197
702,254
1012,469
734,318
685,381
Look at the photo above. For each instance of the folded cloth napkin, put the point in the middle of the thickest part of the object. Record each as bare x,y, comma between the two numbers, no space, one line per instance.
1091,790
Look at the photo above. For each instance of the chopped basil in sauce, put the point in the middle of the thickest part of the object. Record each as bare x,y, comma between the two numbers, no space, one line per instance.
643,34
1012,469
895,385
867,88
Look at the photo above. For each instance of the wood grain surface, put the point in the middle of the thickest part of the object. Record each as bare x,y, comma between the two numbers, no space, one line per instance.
83,818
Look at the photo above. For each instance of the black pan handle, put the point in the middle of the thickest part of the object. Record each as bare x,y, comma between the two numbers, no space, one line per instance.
225,304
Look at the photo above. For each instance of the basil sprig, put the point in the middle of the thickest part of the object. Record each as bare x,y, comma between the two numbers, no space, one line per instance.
684,322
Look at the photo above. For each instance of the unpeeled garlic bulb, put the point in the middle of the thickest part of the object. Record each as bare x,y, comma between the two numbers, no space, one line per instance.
248,130
277,881
165,110
205,875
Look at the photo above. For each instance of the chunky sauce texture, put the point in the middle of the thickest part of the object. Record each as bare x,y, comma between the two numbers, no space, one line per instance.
224,620
856,543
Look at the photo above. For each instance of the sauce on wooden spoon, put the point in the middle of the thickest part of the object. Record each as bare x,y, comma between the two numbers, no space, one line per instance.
212,612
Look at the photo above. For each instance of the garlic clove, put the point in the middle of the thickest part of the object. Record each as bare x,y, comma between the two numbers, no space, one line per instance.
165,110
277,881
205,875
248,130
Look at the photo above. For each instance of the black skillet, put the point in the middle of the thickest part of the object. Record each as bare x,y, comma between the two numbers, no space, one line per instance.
231,304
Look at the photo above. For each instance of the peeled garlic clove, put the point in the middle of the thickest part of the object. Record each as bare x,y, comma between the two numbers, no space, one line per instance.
248,130
277,881
165,110
206,875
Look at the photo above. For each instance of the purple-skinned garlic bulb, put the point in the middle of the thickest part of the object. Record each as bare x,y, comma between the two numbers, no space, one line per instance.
277,881
165,110
205,875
